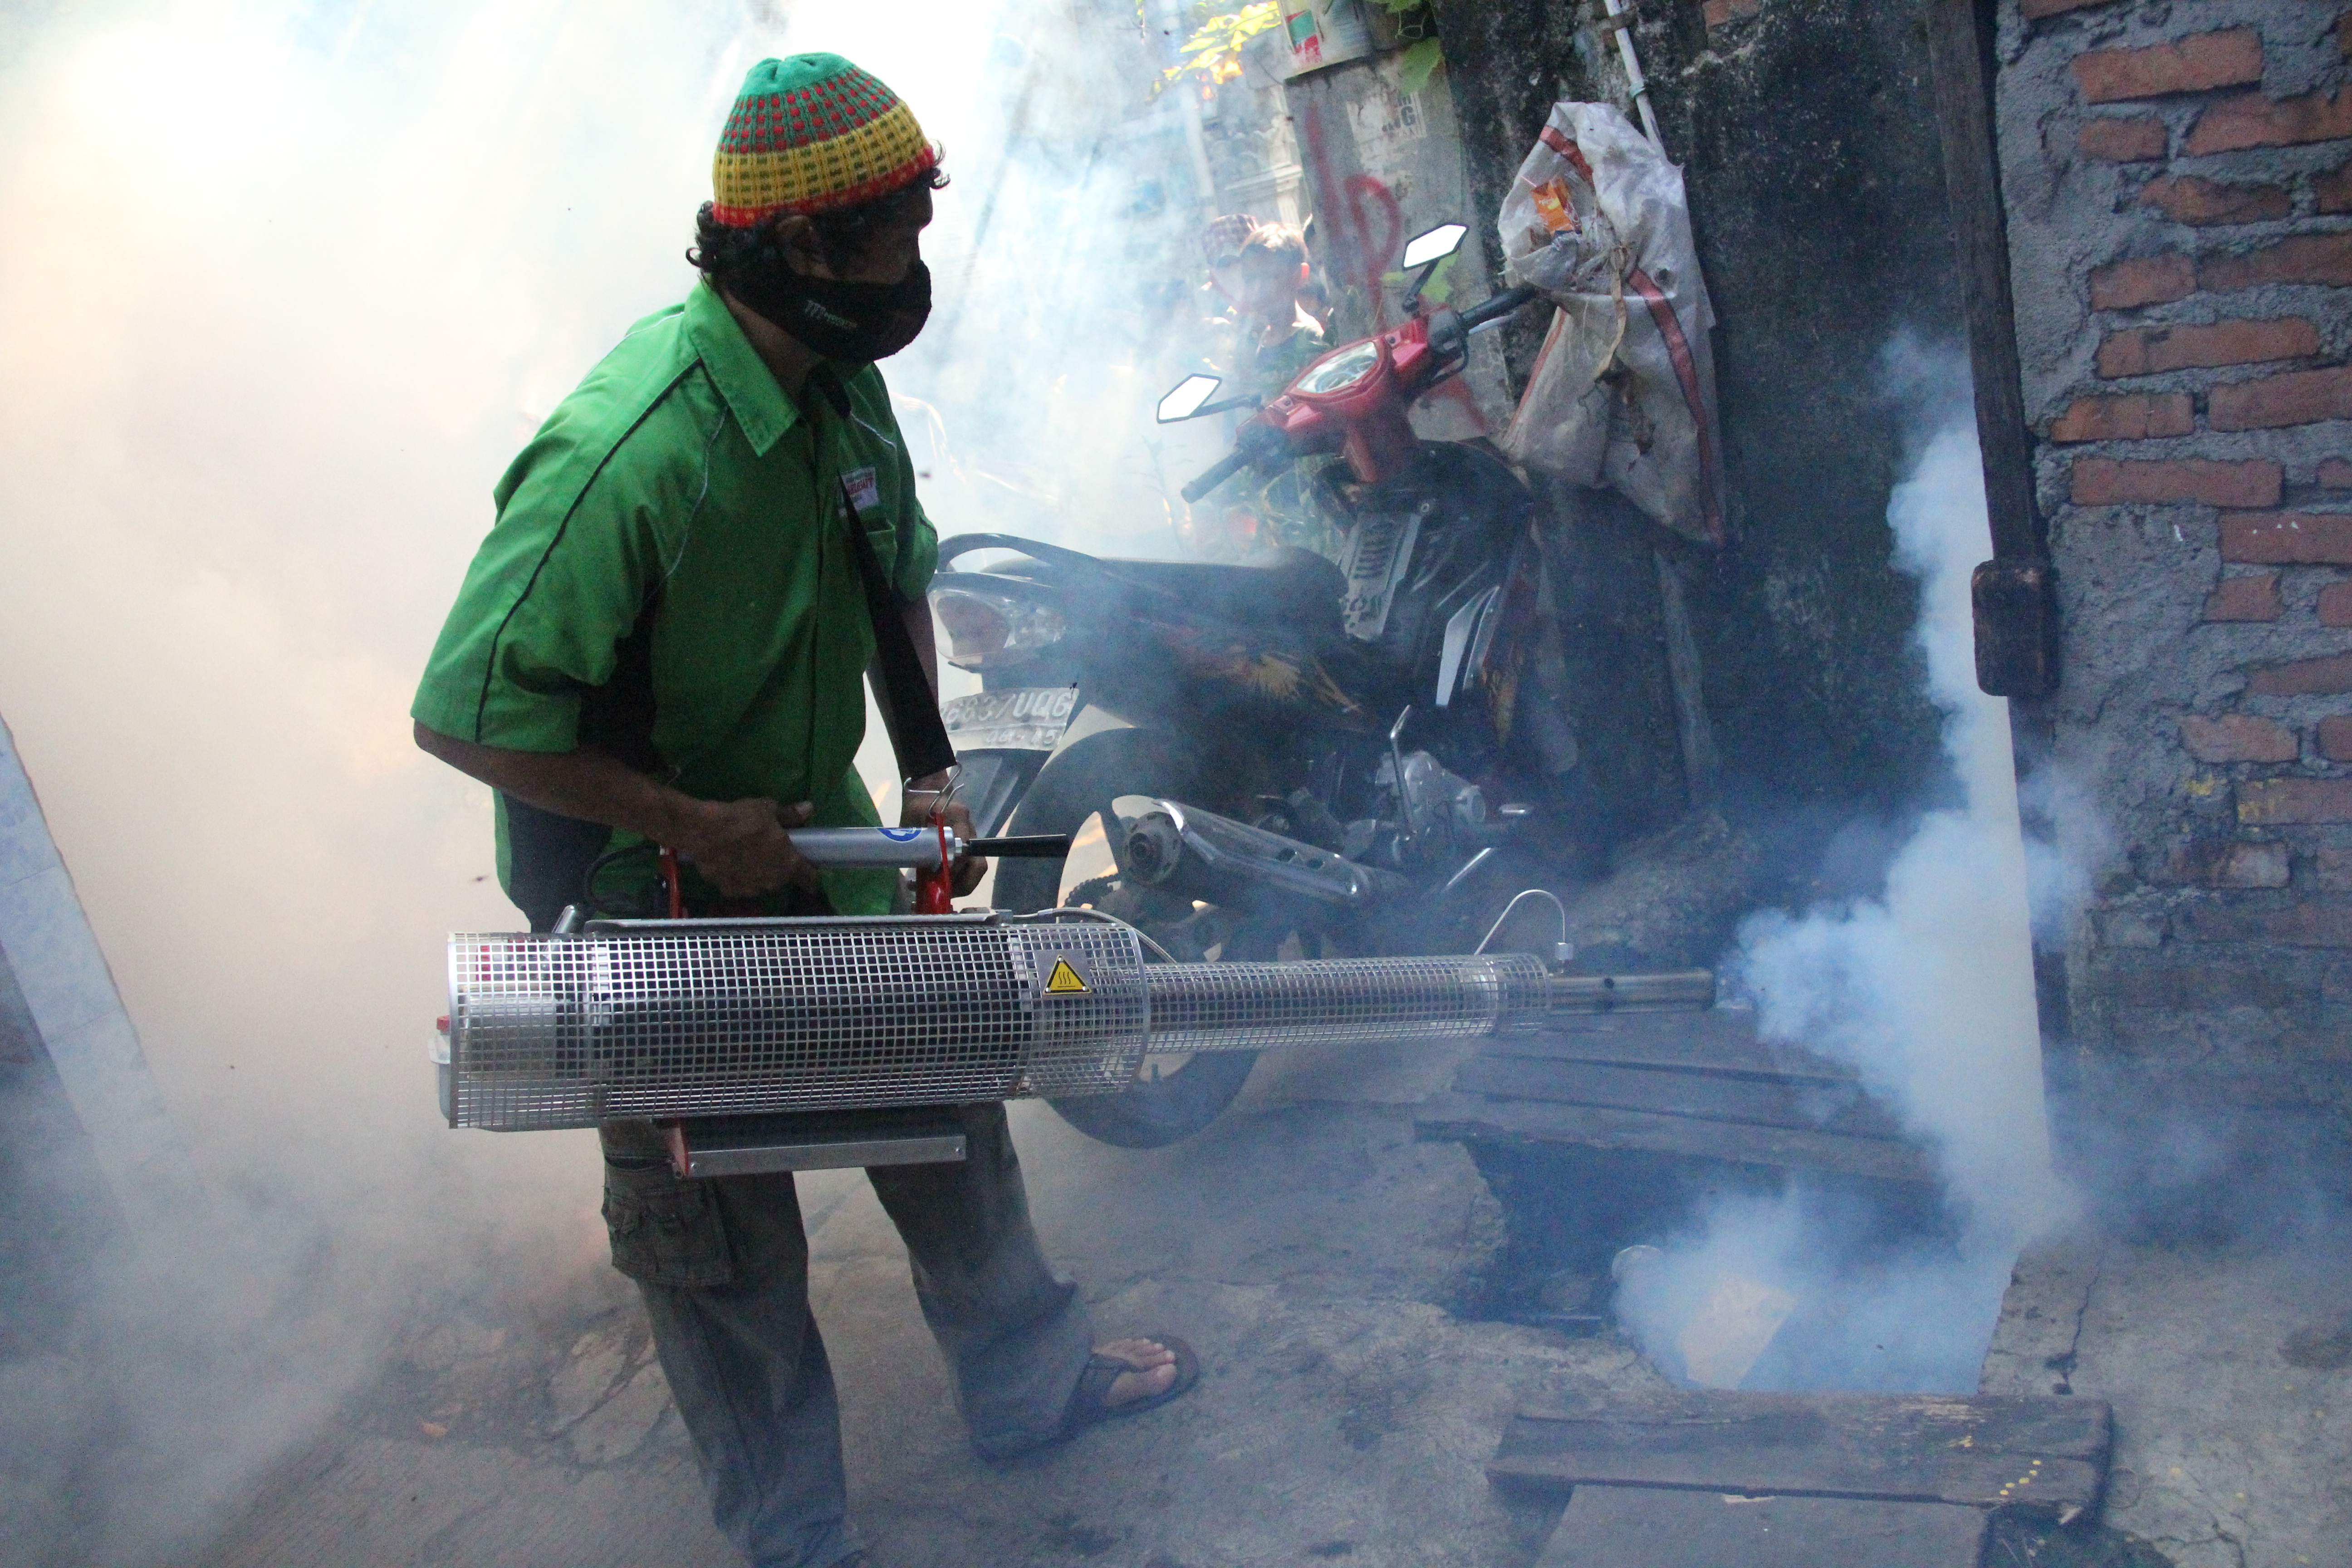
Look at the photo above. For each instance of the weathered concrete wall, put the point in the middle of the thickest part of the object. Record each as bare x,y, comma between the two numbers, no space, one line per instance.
2178,185
56,1215
61,999
1807,138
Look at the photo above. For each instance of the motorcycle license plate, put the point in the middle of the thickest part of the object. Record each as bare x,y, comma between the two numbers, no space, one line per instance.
1021,719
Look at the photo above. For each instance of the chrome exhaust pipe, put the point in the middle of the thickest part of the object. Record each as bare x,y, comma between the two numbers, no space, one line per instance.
1198,854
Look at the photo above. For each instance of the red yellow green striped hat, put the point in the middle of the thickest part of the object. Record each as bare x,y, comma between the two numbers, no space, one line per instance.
811,134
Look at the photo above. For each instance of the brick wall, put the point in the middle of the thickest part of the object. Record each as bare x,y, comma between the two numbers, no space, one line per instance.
2178,185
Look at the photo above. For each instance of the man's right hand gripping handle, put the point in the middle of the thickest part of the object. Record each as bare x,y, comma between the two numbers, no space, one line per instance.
741,846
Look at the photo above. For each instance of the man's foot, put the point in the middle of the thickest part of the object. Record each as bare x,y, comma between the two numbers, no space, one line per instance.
1154,1370
1126,1377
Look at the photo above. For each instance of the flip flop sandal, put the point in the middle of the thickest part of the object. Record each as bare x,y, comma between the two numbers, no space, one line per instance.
1086,1406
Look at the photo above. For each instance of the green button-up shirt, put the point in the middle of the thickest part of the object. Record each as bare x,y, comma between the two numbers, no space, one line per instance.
678,484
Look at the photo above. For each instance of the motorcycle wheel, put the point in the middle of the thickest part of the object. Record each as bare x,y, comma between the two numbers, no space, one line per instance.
1079,785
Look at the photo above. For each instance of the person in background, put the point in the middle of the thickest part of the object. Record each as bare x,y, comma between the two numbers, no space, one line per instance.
661,640
1262,269
1316,301
1263,276
1314,294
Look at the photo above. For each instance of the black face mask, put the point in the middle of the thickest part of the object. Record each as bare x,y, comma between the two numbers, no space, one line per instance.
848,323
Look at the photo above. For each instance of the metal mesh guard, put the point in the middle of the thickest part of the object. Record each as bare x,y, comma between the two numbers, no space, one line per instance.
1341,1001
733,1018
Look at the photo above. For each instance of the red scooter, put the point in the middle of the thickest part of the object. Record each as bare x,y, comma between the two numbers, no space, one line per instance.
1355,400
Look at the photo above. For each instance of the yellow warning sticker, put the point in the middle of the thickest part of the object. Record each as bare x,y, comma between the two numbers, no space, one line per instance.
1064,980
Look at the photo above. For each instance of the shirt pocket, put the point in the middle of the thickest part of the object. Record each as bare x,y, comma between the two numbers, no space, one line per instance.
665,1231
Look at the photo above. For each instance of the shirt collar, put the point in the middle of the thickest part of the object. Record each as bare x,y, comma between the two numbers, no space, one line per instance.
759,404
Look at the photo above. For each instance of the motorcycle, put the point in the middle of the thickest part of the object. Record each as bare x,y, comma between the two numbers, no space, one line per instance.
1321,759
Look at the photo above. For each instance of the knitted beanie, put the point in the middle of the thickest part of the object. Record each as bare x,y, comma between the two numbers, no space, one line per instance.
810,135
1222,240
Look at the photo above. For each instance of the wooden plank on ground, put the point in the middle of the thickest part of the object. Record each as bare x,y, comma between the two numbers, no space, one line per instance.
1982,1451
1458,1118
1814,1108
1721,1040
1621,1527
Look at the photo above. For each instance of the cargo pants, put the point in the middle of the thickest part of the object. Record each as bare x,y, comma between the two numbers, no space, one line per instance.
723,1266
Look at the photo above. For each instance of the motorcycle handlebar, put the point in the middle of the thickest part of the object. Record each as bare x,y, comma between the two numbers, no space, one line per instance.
1495,307
1224,468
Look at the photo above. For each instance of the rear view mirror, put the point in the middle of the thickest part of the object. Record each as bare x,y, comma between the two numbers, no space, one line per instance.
1186,398
1434,246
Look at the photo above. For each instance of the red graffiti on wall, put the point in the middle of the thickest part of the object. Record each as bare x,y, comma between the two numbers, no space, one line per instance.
1362,235
1368,199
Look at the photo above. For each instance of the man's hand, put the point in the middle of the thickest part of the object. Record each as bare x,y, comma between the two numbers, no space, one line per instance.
741,845
915,811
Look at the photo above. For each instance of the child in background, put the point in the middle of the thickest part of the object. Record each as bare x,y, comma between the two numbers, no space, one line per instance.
1263,275
1261,270
1316,301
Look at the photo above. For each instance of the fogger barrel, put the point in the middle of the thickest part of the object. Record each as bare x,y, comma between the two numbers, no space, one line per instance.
751,1018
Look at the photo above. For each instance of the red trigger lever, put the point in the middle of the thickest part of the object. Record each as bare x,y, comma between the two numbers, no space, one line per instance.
935,889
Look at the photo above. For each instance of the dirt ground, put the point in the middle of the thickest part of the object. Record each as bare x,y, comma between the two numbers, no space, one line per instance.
2230,1368
1314,1254
1306,1246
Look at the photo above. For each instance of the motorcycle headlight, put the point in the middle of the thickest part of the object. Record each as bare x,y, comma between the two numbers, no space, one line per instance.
987,629
1337,372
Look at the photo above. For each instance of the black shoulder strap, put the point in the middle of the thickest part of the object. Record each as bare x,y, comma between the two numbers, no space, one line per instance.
911,708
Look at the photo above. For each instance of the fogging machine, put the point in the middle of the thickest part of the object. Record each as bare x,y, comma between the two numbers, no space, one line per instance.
768,1043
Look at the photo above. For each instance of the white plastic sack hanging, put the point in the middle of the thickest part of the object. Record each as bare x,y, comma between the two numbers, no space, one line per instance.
1622,393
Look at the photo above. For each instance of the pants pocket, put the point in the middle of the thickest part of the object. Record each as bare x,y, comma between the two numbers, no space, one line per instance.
665,1231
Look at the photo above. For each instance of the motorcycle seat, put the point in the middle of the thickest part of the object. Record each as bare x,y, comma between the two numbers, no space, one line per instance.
1288,587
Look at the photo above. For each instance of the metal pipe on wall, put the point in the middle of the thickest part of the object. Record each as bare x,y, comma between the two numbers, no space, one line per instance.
1622,25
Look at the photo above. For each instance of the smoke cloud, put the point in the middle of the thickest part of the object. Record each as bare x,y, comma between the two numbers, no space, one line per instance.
1928,989
283,287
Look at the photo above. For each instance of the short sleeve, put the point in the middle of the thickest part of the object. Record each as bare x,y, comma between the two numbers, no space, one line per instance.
553,589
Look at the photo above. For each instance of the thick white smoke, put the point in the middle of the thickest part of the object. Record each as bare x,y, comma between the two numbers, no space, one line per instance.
1928,989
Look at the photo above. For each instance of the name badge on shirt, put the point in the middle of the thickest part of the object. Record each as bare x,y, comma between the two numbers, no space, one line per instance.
864,491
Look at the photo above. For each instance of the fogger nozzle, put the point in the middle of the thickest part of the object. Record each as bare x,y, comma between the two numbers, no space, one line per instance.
748,1017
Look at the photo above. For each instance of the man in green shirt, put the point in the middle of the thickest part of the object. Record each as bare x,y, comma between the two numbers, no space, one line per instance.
661,640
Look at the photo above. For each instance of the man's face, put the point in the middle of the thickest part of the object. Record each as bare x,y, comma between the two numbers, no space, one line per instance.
891,252
1264,288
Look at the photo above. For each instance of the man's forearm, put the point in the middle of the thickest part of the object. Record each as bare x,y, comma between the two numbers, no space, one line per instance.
743,847
589,785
